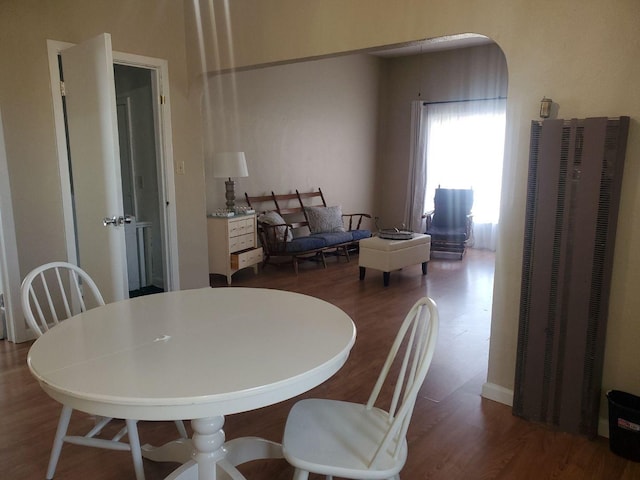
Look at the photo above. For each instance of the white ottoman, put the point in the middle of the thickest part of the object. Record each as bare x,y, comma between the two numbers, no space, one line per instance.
389,255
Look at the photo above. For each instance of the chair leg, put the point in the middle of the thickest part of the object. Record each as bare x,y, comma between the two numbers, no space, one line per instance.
136,451
181,429
295,264
300,474
61,432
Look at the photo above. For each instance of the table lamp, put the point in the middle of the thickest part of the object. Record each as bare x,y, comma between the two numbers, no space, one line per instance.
228,165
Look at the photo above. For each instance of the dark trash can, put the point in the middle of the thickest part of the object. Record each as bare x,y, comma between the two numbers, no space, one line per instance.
624,424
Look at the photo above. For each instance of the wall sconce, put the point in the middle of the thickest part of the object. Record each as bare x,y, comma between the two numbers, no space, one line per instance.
227,165
545,107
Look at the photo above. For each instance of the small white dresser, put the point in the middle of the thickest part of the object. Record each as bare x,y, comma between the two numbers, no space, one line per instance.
233,244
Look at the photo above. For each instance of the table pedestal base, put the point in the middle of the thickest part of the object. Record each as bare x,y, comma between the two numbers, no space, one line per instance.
207,456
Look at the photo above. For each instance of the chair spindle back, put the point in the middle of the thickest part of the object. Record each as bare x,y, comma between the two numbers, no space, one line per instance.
59,302
417,336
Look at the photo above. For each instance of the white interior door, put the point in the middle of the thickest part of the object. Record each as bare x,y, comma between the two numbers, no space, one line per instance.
95,163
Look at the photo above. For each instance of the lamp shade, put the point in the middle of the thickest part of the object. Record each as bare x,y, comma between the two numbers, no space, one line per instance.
230,164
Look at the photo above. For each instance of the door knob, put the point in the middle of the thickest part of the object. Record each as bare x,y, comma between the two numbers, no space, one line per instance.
117,221
110,221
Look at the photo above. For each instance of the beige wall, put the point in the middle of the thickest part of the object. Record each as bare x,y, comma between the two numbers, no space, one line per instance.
147,27
301,126
584,55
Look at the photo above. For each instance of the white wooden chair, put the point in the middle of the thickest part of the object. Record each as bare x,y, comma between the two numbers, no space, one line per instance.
350,440
51,293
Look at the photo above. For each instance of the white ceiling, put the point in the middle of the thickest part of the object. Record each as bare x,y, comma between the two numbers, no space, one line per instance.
432,45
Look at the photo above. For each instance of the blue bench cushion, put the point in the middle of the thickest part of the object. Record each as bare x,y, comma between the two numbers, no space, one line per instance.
360,234
333,238
302,244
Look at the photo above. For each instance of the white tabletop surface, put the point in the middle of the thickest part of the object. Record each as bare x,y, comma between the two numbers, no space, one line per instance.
192,353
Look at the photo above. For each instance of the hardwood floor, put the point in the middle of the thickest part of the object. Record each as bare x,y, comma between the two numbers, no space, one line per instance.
455,434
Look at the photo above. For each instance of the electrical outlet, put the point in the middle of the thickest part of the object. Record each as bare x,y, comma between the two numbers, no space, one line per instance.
181,168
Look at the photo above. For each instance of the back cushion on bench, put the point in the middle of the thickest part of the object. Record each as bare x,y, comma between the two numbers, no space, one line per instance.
274,218
324,219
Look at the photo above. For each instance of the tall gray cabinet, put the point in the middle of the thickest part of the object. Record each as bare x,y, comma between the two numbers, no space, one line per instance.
573,192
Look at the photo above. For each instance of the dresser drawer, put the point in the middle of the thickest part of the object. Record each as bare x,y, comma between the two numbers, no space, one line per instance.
246,258
241,242
240,227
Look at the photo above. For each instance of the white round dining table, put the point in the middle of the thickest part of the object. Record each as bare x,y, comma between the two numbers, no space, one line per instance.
194,354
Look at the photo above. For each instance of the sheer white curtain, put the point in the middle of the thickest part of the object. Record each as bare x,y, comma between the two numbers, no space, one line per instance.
465,149
416,184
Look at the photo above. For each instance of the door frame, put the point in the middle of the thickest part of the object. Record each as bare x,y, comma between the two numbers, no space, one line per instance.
164,149
9,268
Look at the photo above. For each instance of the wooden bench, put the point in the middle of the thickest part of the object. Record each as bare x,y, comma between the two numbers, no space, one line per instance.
286,221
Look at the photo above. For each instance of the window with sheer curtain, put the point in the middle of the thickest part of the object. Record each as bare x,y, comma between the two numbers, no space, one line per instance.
464,143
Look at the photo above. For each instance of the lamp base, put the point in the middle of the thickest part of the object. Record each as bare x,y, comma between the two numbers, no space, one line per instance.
230,194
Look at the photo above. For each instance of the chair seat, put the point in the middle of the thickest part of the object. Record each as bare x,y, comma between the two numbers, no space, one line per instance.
448,233
339,438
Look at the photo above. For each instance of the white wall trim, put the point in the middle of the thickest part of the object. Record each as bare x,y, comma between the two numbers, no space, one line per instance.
53,49
9,268
603,427
497,393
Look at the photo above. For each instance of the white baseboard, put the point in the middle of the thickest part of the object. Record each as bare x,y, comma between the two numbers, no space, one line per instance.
497,393
603,427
